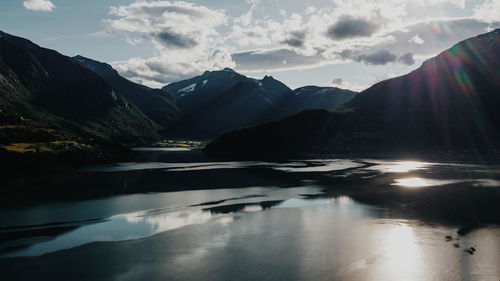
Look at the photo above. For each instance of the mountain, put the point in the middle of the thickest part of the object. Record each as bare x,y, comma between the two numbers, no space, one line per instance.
448,104
313,97
56,92
217,102
156,104
192,94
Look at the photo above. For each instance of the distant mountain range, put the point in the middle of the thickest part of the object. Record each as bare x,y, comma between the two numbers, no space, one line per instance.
313,97
50,102
450,103
217,102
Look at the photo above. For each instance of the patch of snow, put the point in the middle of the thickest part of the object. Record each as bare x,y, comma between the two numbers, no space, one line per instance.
113,95
187,89
204,82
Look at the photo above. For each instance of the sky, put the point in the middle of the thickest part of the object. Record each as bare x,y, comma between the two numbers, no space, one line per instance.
344,43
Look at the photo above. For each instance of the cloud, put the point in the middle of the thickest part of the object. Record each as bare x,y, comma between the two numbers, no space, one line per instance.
160,70
434,36
249,36
365,26
379,58
39,5
244,30
422,39
407,59
184,34
246,18
350,27
416,39
274,59
457,3
488,11
337,82
341,83
176,40
190,38
295,38
310,10
172,24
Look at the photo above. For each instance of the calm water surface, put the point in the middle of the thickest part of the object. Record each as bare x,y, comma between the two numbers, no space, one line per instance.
317,219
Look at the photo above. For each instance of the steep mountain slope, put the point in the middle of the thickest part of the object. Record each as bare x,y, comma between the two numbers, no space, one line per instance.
57,91
450,103
220,101
156,104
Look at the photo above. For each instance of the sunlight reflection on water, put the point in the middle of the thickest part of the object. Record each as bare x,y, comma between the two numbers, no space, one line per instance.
311,165
170,149
401,252
422,182
398,166
416,182
342,235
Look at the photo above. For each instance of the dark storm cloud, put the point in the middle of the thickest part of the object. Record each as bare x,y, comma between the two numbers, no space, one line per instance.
378,58
349,27
407,59
158,11
282,58
337,81
295,39
172,39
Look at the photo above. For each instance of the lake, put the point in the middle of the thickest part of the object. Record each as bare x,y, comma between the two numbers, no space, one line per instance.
181,215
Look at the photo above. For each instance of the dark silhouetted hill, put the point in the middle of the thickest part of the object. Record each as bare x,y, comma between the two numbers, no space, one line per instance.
57,91
450,103
156,104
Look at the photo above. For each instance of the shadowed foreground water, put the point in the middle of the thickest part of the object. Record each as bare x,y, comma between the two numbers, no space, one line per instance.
337,220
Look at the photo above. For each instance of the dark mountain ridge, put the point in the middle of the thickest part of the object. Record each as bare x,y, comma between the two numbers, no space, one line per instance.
450,103
156,104
314,97
229,103
217,102
191,94
57,91
85,98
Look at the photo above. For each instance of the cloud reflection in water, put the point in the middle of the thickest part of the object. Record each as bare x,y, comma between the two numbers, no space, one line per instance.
124,227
